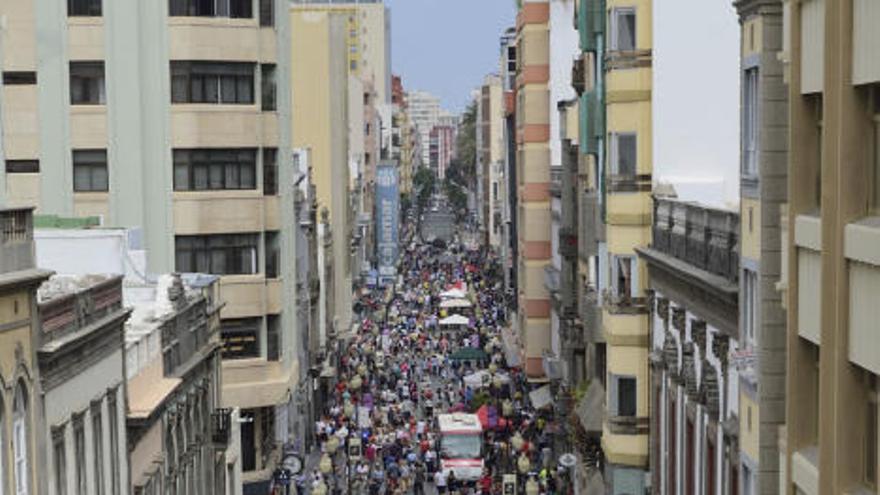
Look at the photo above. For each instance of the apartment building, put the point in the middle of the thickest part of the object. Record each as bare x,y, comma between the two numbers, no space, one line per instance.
22,449
507,70
424,111
831,251
490,121
441,148
693,267
171,118
320,115
368,38
763,163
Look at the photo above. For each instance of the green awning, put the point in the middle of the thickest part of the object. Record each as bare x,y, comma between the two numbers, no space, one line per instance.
469,354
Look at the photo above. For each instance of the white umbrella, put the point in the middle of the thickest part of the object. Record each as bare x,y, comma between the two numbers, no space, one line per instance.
455,320
483,378
456,303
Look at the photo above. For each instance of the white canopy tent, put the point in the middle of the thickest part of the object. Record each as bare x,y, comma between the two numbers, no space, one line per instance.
455,320
453,294
484,377
456,303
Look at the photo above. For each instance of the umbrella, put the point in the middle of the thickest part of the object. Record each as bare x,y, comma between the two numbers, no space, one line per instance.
453,294
468,354
456,303
455,320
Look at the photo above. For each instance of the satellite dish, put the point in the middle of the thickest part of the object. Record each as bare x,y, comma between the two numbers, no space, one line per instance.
567,460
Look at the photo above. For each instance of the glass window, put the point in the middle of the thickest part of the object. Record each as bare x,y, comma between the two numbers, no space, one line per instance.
98,447
87,83
212,82
750,305
270,171
750,123
623,396
214,169
79,445
461,446
267,13
60,457
22,166
242,9
113,428
268,87
623,29
19,78
222,254
20,447
90,171
88,8
241,338
623,154
273,337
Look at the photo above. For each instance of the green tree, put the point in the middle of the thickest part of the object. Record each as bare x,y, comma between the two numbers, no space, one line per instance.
423,181
464,166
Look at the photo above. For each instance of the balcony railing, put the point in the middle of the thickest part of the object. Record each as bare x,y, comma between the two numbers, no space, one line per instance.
16,240
628,425
556,180
220,426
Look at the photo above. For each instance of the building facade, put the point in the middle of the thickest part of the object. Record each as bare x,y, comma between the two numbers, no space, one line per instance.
22,447
172,118
831,415
82,377
693,267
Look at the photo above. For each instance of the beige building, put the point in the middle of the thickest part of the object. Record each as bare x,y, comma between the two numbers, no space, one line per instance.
22,445
172,119
533,178
367,36
831,263
320,116
490,145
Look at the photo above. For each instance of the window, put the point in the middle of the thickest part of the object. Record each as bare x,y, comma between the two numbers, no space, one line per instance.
87,83
623,274
273,337
212,82
872,432
98,446
270,171
241,338
215,169
60,457
267,13
87,8
113,427
221,254
273,252
623,396
20,433
90,171
79,445
750,123
623,154
242,9
22,166
750,305
269,87
748,489
19,78
623,29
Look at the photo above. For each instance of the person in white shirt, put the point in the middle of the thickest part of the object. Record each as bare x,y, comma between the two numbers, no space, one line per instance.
440,481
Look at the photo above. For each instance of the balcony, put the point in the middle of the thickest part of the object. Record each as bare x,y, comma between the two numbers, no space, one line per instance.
705,238
220,425
628,425
591,228
16,240
591,316
578,78
552,278
568,242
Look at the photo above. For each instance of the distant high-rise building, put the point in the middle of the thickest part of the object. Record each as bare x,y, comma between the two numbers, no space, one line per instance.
424,111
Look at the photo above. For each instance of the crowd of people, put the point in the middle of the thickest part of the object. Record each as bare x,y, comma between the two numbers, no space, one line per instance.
404,367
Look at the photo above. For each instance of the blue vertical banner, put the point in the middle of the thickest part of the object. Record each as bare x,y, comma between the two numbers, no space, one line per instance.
387,218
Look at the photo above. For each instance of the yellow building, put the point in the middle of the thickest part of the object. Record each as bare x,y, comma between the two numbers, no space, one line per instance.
319,89
22,452
628,167
833,249
368,37
533,181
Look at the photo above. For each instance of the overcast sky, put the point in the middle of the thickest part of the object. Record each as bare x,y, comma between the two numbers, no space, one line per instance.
447,46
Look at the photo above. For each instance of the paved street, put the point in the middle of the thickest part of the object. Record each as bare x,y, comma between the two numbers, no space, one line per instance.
435,361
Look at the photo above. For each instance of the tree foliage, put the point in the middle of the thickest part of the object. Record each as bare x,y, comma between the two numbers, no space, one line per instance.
423,181
464,166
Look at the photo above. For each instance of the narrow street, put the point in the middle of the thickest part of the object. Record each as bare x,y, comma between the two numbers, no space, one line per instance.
425,402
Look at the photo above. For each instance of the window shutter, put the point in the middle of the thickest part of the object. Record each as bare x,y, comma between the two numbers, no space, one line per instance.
634,277
20,454
612,395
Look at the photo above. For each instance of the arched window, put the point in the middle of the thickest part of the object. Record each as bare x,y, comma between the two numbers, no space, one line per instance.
20,432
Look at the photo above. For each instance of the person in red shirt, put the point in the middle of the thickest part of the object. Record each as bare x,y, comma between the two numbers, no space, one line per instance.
486,483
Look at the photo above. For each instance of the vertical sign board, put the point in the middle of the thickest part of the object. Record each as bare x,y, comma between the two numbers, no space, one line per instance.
387,219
